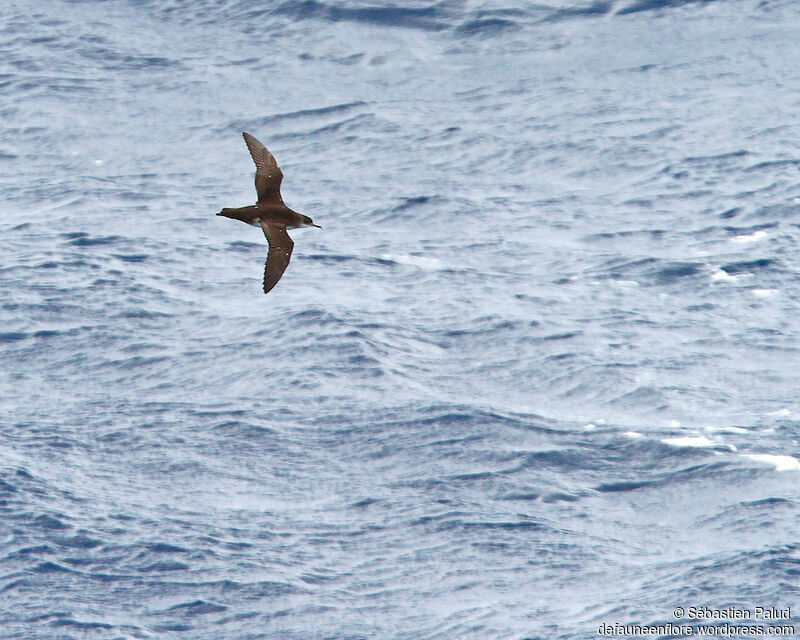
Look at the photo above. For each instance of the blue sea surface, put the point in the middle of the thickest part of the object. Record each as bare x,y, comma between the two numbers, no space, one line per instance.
537,373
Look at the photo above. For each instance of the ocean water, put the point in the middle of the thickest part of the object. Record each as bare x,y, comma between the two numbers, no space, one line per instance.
537,373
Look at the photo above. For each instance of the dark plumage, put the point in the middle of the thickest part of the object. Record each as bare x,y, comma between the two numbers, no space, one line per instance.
270,213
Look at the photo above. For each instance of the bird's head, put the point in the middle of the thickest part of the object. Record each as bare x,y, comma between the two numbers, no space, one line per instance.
308,222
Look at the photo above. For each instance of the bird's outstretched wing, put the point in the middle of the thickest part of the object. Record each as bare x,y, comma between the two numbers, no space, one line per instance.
280,251
268,173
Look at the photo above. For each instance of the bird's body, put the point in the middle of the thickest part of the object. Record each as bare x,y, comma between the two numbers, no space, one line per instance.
275,213
270,213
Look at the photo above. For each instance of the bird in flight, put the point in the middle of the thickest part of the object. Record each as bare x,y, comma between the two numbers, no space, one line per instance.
270,213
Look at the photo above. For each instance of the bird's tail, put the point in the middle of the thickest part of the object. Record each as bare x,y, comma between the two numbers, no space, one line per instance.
245,214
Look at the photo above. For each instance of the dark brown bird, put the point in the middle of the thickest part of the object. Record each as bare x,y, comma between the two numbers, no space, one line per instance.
270,213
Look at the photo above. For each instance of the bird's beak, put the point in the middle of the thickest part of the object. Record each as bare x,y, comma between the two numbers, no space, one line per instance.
316,225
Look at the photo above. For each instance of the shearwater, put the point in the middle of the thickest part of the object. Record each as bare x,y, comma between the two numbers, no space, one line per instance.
270,213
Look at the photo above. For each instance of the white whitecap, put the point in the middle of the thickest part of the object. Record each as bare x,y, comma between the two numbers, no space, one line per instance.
633,434
753,237
720,275
764,293
780,413
781,463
